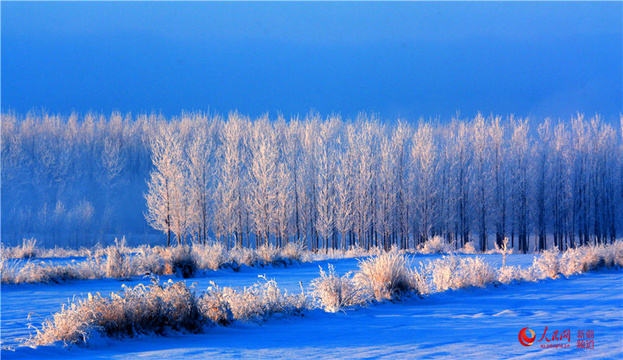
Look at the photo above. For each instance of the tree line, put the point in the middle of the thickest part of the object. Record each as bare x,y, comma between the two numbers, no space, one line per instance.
324,181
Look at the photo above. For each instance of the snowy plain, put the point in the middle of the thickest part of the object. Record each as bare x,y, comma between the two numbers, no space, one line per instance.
474,323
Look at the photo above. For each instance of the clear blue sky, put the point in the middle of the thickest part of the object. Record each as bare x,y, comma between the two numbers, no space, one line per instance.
394,59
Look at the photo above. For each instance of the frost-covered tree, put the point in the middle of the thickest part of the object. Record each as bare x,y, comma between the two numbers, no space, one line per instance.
262,200
325,152
425,162
520,177
320,180
167,195
201,152
230,212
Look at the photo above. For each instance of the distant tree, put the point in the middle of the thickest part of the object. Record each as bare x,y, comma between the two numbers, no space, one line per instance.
520,155
201,152
166,195
230,190
425,162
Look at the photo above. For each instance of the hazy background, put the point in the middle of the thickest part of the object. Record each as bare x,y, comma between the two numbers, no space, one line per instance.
404,60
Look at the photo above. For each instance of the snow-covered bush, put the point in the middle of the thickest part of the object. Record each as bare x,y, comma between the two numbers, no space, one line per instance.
508,274
148,261
294,252
334,293
245,256
469,248
182,261
571,261
158,308
613,254
436,245
270,255
452,272
134,310
28,250
420,280
214,307
8,271
547,265
210,256
14,272
115,267
387,276
261,300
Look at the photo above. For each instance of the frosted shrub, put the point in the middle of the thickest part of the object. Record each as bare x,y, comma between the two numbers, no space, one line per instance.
245,256
477,272
114,263
509,274
259,301
28,250
435,245
72,325
148,261
334,293
451,272
547,265
357,251
387,276
270,255
614,254
262,300
214,307
58,252
502,250
141,309
158,308
182,261
469,248
294,252
8,271
41,272
420,280
210,256
571,262
444,273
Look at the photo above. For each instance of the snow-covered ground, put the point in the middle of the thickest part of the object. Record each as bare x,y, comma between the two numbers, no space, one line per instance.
477,323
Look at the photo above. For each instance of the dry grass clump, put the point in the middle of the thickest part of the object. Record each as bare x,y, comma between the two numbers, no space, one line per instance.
27,250
452,272
215,307
334,293
548,264
262,300
182,261
245,256
160,308
387,276
436,245
469,248
211,256
295,252
508,274
13,272
135,310
271,255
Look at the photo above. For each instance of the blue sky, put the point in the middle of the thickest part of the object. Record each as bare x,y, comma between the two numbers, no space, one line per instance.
405,60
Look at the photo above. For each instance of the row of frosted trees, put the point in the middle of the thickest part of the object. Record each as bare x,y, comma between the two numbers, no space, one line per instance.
335,184
326,182
74,180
